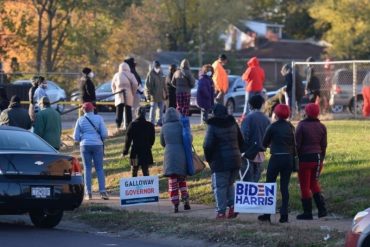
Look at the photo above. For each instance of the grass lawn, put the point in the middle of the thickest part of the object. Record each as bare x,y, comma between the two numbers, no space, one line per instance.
345,179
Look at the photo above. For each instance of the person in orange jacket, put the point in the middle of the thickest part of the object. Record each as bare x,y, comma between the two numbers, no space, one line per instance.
366,96
220,78
254,77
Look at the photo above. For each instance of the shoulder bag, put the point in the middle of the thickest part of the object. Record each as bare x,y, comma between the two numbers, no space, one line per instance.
97,131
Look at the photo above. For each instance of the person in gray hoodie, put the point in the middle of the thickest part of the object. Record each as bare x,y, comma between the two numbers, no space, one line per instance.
174,164
184,81
156,91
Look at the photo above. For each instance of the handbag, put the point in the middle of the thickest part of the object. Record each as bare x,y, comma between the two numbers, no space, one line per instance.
198,163
252,151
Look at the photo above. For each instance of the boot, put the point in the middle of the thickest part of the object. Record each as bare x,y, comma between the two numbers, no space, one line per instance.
307,210
320,203
176,208
283,218
264,217
187,206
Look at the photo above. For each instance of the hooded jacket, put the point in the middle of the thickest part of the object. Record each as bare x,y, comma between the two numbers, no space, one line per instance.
126,82
183,79
156,89
220,79
223,141
254,76
16,116
171,139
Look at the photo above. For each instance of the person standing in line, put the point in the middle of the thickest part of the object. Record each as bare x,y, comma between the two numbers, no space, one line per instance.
205,91
87,88
124,86
156,92
286,71
15,115
253,128
170,88
142,136
174,164
311,137
48,124
40,92
222,145
90,132
279,136
254,77
31,93
184,81
313,83
140,90
220,79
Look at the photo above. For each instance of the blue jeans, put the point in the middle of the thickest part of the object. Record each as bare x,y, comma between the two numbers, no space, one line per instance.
223,189
153,110
254,171
248,95
92,153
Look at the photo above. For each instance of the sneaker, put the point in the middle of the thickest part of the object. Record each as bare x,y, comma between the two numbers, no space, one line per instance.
104,195
221,216
88,197
187,206
176,208
283,218
232,214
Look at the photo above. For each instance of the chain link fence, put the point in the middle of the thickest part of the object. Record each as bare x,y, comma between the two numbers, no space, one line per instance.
338,86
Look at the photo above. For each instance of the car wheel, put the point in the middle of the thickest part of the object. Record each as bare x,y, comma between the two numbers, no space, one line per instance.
46,218
337,108
358,107
230,106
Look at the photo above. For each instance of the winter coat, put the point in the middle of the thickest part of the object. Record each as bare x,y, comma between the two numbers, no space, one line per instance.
126,82
142,136
87,90
254,76
205,92
16,116
183,79
313,83
223,142
254,127
48,126
171,90
220,79
155,86
299,88
279,136
86,134
171,139
311,137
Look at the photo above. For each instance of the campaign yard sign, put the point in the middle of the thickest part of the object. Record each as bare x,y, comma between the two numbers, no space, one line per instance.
139,190
255,197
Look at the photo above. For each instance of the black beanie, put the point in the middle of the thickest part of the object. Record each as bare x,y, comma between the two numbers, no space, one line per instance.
86,70
256,101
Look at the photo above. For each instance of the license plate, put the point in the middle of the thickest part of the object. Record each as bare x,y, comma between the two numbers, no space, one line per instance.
40,192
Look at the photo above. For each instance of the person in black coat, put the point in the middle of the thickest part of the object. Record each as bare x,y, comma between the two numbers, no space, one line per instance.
142,136
4,101
313,83
15,115
170,88
87,88
222,146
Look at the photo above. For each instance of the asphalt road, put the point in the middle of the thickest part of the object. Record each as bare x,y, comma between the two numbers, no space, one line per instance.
20,234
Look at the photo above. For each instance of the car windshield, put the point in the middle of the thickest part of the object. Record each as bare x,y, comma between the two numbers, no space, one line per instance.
104,88
22,141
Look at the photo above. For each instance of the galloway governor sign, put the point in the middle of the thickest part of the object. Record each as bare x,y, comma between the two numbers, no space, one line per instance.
139,190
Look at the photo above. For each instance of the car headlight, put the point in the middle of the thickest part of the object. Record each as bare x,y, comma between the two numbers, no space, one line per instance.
359,216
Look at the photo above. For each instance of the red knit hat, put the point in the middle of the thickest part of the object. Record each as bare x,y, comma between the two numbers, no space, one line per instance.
282,111
88,106
312,110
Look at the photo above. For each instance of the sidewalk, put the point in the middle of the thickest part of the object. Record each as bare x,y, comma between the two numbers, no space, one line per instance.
165,207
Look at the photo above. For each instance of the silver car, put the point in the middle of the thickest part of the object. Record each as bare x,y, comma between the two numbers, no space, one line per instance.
54,92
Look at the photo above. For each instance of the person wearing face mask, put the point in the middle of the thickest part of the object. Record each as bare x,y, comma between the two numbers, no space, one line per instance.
87,88
40,92
156,91
205,92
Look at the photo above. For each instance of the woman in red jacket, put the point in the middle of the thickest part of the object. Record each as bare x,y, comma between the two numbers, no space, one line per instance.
311,141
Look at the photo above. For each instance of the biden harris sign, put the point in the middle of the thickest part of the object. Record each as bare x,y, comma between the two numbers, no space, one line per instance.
139,190
255,197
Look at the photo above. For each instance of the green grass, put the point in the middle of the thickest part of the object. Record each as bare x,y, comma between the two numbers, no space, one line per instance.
345,179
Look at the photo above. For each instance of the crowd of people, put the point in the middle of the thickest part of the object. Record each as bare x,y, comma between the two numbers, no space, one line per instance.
232,152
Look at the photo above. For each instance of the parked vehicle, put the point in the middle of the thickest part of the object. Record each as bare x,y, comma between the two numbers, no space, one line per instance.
359,235
341,95
54,92
36,179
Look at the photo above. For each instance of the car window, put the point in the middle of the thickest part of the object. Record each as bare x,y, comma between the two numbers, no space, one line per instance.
239,83
22,141
105,88
52,86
